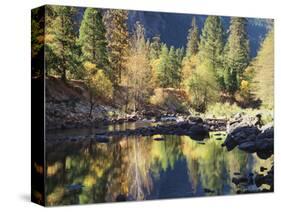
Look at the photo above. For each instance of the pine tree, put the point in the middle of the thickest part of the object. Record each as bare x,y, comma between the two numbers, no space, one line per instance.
154,54
163,67
211,46
236,54
92,39
192,39
174,69
62,40
154,48
117,39
179,55
169,67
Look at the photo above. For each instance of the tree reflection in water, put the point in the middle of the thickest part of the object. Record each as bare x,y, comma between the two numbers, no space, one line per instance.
138,168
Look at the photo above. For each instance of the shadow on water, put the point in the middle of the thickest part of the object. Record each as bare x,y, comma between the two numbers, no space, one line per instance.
139,168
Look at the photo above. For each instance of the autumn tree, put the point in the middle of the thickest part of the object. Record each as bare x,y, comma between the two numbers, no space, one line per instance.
138,73
117,42
189,66
202,88
264,68
98,84
202,72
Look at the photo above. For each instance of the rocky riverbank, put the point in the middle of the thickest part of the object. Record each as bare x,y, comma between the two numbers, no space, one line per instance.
68,107
248,134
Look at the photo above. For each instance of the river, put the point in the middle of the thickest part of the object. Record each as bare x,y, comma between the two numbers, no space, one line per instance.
144,168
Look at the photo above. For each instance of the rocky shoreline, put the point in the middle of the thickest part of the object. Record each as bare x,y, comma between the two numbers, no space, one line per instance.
194,127
250,136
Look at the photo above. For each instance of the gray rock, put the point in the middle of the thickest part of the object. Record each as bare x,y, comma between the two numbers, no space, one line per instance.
195,119
198,132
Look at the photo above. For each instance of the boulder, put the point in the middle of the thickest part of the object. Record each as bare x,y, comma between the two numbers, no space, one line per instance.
250,138
198,132
195,119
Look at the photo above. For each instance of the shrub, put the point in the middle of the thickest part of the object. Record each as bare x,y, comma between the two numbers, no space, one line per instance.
101,86
202,89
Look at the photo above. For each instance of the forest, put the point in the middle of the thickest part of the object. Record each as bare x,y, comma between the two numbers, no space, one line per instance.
128,116
214,67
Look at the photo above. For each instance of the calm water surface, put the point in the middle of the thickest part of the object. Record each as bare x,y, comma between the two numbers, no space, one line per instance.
141,168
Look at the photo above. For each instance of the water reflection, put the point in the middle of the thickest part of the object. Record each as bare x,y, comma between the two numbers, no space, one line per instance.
138,168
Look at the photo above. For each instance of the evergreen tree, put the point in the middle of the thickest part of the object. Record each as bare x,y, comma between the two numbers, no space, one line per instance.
169,67
179,55
192,39
211,47
92,39
174,70
236,54
117,39
154,54
163,67
155,48
62,40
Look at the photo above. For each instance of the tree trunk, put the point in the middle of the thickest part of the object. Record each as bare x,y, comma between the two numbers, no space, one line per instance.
91,103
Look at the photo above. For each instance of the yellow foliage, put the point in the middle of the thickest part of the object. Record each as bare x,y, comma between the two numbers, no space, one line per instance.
244,85
89,181
154,64
89,67
49,38
189,66
158,98
99,171
102,86
55,196
53,169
